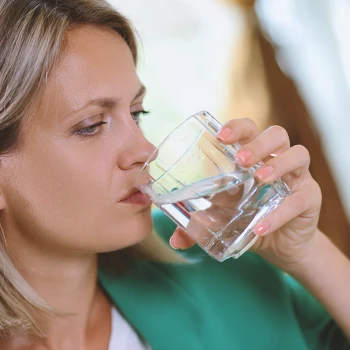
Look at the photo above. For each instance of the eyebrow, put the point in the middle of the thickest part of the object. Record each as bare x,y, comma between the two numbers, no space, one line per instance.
106,102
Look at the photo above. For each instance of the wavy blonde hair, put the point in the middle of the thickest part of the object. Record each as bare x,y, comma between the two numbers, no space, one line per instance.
32,36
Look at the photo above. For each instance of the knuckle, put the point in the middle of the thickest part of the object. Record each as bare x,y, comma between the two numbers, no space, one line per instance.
249,121
300,201
303,153
317,192
243,127
251,124
310,196
280,132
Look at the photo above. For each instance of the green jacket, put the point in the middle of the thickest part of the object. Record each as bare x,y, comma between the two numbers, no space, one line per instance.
243,304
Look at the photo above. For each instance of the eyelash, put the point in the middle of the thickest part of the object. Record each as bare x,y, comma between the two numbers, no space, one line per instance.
136,116
84,132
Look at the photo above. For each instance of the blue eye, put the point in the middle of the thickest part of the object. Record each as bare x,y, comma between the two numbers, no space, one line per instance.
91,130
137,114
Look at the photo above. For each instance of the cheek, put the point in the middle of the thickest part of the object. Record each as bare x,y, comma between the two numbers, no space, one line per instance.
74,204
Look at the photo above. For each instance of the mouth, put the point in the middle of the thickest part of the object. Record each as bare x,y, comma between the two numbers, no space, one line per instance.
136,197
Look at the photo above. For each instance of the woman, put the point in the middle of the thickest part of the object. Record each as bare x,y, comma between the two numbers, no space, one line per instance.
71,149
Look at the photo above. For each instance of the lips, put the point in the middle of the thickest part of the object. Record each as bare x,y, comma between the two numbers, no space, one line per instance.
136,197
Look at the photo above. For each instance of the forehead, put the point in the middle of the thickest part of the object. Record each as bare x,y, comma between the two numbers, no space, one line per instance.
96,63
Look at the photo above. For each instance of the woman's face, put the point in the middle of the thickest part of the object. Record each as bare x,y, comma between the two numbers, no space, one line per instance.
81,153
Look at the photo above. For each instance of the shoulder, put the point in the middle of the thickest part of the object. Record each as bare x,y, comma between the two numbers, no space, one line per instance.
249,275
205,296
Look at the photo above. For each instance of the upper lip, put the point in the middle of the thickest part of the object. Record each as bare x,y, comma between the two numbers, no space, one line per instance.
130,193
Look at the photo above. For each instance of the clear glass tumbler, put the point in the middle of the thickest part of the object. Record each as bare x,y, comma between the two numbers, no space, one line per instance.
194,179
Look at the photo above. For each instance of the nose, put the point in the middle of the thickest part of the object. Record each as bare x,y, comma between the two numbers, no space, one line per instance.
136,151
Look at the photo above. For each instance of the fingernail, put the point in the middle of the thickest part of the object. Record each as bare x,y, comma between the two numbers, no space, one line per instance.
232,191
243,156
264,172
172,242
261,228
223,134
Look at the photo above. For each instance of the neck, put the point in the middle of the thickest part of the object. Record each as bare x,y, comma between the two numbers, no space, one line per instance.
68,284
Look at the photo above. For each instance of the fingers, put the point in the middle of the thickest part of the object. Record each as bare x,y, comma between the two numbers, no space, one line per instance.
242,130
272,141
305,202
180,240
201,225
295,159
298,203
282,161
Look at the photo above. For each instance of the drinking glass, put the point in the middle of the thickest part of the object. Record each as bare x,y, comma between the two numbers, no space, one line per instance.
194,179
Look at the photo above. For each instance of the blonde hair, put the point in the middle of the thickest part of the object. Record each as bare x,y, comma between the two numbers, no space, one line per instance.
32,36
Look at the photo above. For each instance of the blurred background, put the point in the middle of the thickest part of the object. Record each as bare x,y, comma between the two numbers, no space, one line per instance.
283,62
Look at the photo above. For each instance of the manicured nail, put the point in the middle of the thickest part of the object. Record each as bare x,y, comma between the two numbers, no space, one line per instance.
233,190
172,242
261,228
243,156
223,134
264,172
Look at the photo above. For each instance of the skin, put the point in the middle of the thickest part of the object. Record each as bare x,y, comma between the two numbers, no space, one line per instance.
289,237
74,185
61,190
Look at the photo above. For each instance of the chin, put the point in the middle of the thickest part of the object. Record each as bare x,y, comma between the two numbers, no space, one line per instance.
132,232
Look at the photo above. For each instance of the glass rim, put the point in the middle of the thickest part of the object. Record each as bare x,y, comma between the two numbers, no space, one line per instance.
209,118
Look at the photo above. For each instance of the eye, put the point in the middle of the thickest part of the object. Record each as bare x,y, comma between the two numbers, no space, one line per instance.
137,115
91,130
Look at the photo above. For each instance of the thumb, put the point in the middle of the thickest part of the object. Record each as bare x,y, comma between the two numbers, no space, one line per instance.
180,239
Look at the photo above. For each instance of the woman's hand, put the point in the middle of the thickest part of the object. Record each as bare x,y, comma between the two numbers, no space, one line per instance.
289,231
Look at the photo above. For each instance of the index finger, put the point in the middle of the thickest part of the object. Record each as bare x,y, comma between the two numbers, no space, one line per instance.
241,130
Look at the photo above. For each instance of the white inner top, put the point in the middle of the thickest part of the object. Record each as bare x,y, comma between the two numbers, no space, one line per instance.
123,337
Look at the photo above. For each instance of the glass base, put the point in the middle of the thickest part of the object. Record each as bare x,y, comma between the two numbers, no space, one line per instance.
227,244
